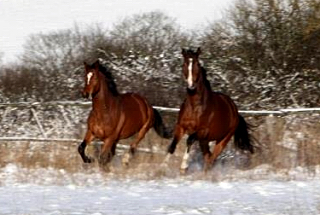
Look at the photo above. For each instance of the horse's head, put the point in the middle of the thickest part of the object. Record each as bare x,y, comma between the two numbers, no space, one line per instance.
191,67
91,85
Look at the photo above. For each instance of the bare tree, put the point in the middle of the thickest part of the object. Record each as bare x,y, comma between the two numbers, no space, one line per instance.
143,51
147,34
146,55
58,56
265,51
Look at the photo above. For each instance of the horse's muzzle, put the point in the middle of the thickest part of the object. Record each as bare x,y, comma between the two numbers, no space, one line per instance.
86,95
191,91
192,87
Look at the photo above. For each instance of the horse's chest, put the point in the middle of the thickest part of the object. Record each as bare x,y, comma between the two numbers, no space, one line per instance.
98,126
191,120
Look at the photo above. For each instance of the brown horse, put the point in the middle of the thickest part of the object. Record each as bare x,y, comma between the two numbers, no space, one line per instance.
115,116
207,116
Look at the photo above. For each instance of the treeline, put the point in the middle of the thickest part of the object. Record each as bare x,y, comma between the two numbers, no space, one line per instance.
265,54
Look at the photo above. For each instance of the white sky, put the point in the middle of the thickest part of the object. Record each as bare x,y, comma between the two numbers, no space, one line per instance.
20,18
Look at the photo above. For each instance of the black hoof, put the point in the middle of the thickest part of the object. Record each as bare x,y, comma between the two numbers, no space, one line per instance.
87,160
105,159
171,149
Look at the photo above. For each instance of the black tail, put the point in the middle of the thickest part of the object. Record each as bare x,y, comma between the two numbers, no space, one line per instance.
159,127
242,138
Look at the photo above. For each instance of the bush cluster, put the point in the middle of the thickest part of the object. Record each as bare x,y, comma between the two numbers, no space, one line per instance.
265,54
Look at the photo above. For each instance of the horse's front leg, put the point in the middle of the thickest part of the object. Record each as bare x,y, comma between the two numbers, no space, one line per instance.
178,134
220,145
108,150
205,148
82,147
185,161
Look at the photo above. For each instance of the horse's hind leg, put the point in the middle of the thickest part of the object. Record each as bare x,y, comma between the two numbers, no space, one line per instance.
134,144
218,149
108,150
82,147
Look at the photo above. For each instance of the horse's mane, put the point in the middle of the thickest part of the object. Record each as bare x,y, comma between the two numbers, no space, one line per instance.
109,80
204,78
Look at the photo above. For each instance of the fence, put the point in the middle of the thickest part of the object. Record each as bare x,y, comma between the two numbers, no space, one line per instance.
46,132
88,104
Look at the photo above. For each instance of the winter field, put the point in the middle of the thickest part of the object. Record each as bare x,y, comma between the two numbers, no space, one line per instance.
282,177
147,188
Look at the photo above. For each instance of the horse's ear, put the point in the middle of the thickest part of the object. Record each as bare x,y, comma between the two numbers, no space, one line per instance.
183,51
198,51
96,64
86,66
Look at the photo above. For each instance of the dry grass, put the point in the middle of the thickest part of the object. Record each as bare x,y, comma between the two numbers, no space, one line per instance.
290,141
64,155
284,143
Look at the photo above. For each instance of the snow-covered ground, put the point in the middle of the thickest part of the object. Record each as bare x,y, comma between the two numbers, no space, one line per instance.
52,191
164,197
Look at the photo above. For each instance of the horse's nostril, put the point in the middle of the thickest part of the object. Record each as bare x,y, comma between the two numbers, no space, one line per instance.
85,94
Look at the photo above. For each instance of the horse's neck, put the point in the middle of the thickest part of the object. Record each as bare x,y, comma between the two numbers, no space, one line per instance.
201,95
104,100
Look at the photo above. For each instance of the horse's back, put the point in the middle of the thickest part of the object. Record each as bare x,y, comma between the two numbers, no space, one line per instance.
223,104
136,111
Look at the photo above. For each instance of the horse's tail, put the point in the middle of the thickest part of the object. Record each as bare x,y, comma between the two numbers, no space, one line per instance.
242,138
159,127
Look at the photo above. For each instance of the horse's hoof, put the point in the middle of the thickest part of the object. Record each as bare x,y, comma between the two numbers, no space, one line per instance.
164,165
104,167
104,160
183,171
167,158
88,160
126,159
206,168
125,164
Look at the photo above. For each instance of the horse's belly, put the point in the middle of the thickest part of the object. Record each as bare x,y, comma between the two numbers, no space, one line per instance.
216,129
217,134
130,128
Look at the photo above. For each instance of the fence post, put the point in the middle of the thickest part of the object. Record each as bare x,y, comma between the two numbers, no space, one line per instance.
38,122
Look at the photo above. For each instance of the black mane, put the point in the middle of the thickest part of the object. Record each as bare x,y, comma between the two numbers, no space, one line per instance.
204,78
109,80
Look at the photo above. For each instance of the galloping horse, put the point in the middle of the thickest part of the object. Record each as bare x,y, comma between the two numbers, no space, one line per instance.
206,116
115,116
